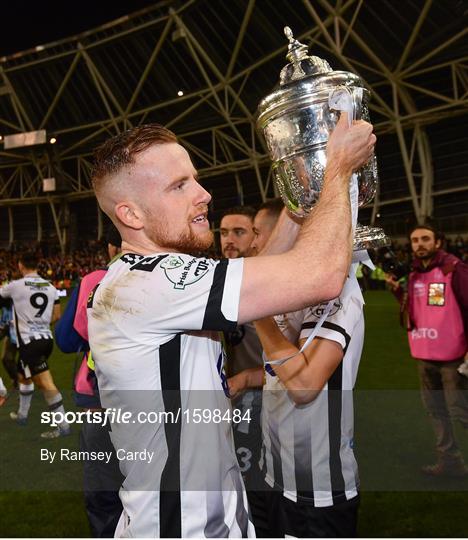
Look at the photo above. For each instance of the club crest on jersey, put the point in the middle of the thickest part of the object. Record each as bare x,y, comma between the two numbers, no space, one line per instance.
317,311
182,272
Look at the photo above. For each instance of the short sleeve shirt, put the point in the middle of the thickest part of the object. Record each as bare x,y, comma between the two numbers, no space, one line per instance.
308,449
33,303
153,325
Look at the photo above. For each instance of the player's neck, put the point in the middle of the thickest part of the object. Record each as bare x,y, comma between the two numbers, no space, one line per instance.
144,247
29,272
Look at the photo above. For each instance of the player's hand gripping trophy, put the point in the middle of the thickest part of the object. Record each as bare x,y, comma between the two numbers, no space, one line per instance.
297,120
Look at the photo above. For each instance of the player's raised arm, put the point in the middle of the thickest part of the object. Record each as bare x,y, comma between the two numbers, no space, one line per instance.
306,373
315,268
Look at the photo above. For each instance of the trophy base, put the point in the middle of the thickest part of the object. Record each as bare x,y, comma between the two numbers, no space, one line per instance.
369,238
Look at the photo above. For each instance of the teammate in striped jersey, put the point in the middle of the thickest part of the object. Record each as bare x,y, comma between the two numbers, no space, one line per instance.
307,416
153,322
35,306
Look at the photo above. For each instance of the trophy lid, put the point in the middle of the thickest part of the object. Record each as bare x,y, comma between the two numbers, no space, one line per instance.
305,79
301,64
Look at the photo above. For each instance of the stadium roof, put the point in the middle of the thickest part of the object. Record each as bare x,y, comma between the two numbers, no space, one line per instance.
224,57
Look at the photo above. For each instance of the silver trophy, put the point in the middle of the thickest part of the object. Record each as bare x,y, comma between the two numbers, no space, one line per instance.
297,119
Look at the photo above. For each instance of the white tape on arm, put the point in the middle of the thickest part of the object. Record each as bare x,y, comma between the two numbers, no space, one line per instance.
325,313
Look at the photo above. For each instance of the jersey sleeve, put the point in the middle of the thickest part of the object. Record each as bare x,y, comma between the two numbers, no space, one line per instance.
201,294
176,293
343,317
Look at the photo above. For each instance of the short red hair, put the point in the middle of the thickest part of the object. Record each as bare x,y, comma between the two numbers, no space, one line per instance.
121,149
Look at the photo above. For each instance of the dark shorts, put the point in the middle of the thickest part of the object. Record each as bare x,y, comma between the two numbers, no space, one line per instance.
101,481
33,357
275,516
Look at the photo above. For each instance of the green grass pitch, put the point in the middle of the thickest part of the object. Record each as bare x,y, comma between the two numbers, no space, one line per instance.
393,439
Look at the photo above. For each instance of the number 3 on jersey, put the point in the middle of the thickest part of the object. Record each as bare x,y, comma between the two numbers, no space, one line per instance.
39,301
244,458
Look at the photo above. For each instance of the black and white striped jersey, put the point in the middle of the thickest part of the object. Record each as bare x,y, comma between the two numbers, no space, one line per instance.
308,449
153,325
33,303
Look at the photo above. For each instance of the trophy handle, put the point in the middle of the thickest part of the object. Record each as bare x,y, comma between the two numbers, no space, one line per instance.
342,98
357,103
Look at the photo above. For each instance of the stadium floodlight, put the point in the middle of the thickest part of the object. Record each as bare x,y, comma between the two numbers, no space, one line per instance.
48,185
28,138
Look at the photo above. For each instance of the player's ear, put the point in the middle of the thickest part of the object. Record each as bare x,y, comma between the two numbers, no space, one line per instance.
129,214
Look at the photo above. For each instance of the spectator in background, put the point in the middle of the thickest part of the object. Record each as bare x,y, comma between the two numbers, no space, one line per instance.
236,231
62,270
436,305
460,248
